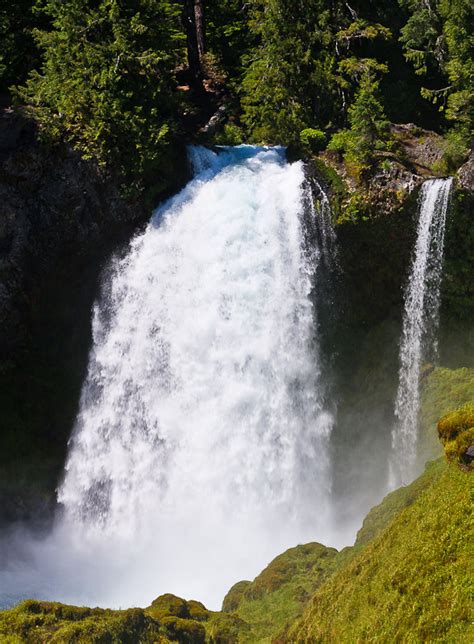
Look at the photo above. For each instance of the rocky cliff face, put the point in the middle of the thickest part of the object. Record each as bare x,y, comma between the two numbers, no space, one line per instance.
53,206
60,218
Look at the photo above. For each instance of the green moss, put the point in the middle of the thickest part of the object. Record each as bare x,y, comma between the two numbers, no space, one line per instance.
442,390
382,515
197,611
233,597
168,619
34,622
412,583
284,568
455,422
279,594
168,605
456,432
184,630
226,629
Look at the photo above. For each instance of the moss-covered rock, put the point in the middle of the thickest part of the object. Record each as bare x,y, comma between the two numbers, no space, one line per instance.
456,432
182,619
451,425
198,611
168,605
284,568
184,630
226,629
35,622
279,594
442,390
232,599
168,619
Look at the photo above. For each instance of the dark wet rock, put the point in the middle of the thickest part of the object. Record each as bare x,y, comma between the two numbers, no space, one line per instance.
53,207
466,174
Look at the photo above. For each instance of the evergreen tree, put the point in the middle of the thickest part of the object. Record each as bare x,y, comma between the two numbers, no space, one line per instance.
228,36
289,83
437,39
106,80
18,52
305,69
368,128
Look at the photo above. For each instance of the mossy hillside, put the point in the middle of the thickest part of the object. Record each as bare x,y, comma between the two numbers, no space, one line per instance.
35,622
168,619
412,583
442,391
234,596
279,594
411,549
383,514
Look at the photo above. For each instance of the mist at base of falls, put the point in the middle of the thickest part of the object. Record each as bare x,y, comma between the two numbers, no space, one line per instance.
202,445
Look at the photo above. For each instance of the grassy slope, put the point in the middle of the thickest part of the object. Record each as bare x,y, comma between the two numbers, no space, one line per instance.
279,594
270,609
413,583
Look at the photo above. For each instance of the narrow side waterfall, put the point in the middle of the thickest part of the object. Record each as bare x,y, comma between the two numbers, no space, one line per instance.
201,448
420,323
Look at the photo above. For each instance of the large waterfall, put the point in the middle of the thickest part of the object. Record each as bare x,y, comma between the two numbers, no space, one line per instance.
201,448
420,322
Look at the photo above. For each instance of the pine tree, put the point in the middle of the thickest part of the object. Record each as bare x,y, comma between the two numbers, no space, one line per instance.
106,83
368,128
437,40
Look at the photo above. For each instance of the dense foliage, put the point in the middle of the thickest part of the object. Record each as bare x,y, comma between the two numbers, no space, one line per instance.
106,74
104,83
438,40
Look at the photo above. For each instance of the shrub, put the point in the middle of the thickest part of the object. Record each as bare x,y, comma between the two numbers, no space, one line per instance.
313,139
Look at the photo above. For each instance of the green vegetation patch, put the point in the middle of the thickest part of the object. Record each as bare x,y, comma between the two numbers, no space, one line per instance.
37,622
383,514
456,432
279,594
413,583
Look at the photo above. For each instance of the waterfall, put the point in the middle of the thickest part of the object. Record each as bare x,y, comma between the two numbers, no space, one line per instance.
325,234
201,447
420,323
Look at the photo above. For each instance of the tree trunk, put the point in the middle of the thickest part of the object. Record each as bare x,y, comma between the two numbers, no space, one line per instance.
200,28
194,26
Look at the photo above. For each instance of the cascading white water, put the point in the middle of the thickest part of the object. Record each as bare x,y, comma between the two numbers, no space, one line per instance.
322,214
201,445
420,322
